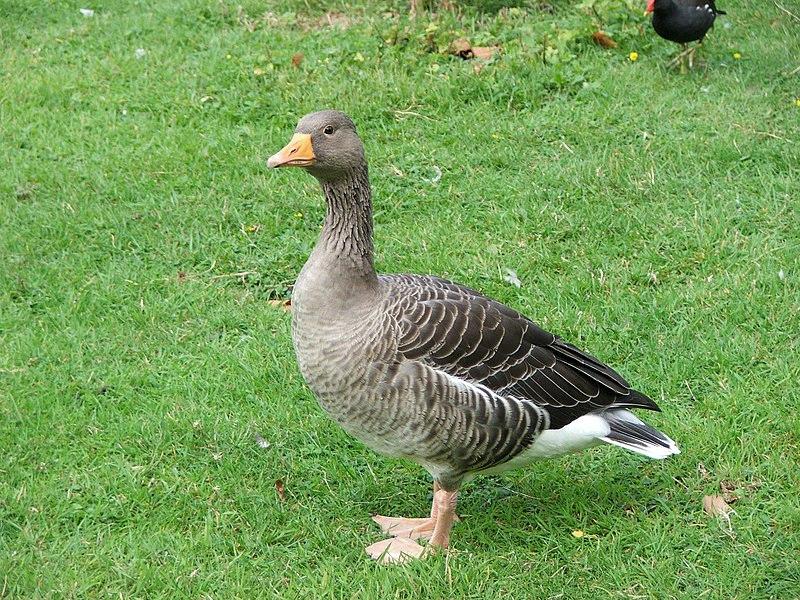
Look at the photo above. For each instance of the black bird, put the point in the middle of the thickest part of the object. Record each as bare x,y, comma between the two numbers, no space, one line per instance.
683,21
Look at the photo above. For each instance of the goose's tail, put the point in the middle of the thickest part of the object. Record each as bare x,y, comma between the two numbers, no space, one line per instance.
631,433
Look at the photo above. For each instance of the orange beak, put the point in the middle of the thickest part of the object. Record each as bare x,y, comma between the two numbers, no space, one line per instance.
297,153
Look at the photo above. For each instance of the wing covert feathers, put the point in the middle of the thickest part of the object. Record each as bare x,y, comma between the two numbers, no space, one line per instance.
469,336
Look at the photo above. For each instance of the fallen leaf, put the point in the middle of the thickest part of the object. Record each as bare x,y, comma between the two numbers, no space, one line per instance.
281,489
485,52
578,533
285,304
461,47
477,67
732,490
603,39
24,192
139,53
728,487
702,471
511,277
334,19
258,71
262,443
297,59
181,276
715,506
753,485
87,12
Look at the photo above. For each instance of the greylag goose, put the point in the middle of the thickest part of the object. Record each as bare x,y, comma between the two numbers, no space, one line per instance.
422,368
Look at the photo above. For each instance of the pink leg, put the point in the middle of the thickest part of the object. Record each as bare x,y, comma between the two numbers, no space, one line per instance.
401,547
410,528
445,505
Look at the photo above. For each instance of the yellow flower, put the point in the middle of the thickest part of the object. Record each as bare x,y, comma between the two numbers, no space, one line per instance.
633,56
737,55
797,102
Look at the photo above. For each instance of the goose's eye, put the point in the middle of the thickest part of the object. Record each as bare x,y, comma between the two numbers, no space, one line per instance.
328,130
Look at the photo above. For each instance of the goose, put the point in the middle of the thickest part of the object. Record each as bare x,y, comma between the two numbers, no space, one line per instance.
425,369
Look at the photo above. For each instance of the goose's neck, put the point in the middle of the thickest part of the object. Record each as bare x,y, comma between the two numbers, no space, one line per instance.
346,237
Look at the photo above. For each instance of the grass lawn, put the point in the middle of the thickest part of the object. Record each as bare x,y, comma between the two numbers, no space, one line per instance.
652,219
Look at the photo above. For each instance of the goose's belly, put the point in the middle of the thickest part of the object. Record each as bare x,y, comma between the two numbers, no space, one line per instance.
344,364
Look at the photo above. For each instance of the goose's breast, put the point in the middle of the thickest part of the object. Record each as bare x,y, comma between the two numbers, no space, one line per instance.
336,349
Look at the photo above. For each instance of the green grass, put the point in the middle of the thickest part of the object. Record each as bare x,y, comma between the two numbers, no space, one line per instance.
651,216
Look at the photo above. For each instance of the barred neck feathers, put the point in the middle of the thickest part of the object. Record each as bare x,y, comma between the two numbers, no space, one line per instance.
345,244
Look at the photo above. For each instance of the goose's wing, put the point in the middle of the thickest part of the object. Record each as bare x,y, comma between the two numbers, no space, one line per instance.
469,336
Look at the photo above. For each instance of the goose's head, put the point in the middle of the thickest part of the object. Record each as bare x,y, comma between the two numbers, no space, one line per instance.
326,144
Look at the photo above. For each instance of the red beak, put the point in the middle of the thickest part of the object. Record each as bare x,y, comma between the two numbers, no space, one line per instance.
651,4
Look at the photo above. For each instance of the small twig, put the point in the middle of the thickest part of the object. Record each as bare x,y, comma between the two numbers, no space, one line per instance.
766,133
788,12
691,393
239,274
680,483
516,492
597,16
410,113
794,71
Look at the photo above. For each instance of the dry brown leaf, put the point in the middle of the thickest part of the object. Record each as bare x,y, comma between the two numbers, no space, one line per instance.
181,276
603,39
715,506
728,489
297,59
461,47
701,469
245,21
285,304
336,19
330,19
281,489
753,485
485,52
